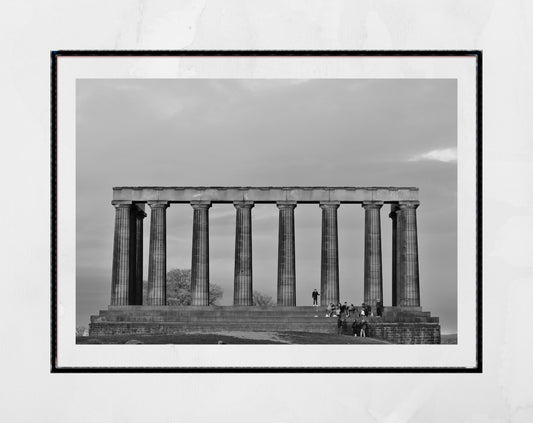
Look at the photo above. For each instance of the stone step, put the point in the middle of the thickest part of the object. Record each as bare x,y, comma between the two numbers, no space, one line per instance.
251,308
244,317
111,328
256,314
243,311
398,325
401,333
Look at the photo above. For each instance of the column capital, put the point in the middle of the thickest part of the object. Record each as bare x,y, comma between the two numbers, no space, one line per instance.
286,204
120,203
372,204
243,204
408,204
139,212
329,205
158,204
200,204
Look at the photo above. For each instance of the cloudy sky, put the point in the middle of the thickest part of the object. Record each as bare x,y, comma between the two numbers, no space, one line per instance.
350,132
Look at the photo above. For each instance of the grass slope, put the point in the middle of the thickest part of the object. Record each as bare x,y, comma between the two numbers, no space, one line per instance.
232,338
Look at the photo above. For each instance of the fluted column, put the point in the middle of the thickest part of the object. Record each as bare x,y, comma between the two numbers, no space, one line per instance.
286,255
373,282
200,253
243,289
395,253
137,299
329,272
157,262
120,277
409,295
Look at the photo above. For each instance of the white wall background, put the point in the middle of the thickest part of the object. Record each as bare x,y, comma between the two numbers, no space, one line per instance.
502,29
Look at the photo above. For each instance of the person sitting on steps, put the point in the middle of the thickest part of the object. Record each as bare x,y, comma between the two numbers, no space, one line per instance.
351,310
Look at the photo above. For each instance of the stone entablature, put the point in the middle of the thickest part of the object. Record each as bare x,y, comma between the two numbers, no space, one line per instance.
266,194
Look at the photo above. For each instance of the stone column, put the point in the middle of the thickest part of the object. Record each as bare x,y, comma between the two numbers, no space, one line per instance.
200,253
286,255
373,282
329,272
395,252
139,217
409,295
121,273
243,290
157,262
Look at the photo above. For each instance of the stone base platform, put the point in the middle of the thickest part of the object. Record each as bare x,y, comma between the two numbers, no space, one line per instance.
397,325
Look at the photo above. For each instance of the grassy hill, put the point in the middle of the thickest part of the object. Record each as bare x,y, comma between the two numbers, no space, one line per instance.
231,338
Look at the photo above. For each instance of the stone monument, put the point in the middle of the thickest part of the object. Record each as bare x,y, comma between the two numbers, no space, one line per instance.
402,322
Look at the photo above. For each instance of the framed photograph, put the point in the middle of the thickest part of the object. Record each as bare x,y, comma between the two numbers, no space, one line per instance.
266,211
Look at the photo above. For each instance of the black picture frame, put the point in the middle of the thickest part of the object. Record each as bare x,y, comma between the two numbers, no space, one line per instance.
478,368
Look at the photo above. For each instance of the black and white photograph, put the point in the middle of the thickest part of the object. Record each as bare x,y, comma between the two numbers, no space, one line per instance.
315,136
281,211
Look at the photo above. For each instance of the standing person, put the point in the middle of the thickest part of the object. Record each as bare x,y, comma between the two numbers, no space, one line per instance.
343,308
329,310
351,310
340,324
363,309
355,327
368,310
315,295
379,308
363,327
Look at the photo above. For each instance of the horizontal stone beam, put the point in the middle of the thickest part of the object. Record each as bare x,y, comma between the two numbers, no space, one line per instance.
265,194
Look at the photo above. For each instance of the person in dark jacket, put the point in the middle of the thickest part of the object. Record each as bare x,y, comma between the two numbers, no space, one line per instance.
315,295
355,327
379,308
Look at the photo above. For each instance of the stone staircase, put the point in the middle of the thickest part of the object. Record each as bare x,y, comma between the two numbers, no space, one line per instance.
399,325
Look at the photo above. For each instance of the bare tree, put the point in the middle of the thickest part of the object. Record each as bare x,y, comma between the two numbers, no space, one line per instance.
179,289
262,299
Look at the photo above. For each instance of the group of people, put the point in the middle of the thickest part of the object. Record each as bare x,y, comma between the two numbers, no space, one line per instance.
359,327
340,309
343,311
366,309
